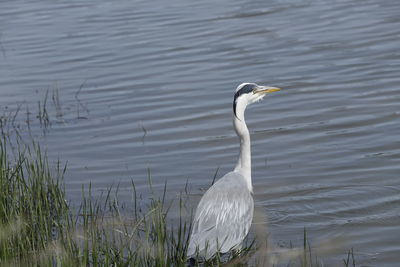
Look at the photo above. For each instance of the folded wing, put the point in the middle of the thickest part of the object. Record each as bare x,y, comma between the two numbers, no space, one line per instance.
223,217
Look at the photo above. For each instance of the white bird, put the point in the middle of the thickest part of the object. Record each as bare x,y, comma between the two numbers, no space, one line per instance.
225,212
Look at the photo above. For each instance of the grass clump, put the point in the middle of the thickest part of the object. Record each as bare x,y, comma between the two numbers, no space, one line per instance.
33,209
38,226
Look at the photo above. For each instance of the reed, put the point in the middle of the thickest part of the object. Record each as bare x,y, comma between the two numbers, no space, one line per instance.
38,226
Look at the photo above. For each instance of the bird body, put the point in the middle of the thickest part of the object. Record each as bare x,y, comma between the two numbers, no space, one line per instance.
225,212
217,227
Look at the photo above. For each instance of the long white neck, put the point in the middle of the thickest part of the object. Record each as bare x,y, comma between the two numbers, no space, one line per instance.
244,163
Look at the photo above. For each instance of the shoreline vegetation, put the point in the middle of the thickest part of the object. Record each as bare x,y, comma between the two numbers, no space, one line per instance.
39,226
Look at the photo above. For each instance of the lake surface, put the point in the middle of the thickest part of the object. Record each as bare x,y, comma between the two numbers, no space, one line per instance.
149,86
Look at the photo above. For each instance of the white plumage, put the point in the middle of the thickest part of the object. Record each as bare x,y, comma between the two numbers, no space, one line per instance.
225,212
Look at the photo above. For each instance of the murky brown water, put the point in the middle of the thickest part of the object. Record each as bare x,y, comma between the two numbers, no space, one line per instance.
157,81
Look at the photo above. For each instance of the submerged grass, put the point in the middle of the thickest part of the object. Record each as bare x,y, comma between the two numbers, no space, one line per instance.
38,227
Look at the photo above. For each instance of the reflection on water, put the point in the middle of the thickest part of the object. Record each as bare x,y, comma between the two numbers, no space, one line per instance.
149,86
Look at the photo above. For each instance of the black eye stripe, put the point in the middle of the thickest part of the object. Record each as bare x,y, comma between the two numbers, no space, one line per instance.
244,90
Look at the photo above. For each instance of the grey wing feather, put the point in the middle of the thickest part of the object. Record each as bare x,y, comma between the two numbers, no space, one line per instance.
223,217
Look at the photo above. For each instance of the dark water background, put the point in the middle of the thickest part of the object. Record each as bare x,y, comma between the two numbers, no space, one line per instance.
149,85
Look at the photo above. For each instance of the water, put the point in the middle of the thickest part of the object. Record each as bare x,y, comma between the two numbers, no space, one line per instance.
149,85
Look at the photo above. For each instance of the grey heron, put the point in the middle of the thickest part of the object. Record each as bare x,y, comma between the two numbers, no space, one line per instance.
224,214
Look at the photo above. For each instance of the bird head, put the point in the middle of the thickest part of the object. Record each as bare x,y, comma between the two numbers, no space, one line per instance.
248,93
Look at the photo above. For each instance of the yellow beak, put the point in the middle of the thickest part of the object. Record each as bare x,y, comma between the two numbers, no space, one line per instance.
266,89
